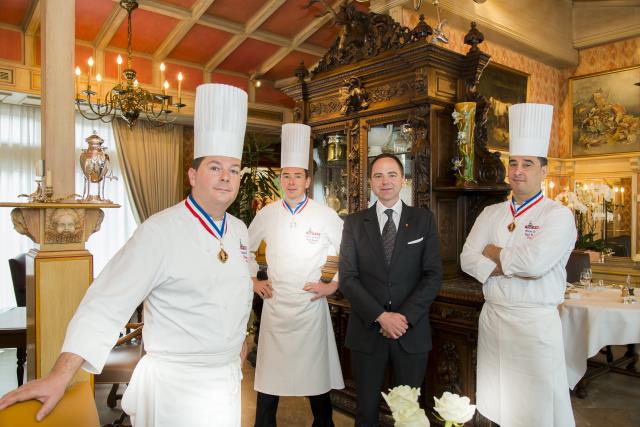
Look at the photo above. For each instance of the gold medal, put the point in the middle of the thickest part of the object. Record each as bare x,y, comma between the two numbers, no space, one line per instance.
223,256
511,227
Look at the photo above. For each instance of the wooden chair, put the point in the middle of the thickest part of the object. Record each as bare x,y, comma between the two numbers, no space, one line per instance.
120,364
18,269
76,409
578,261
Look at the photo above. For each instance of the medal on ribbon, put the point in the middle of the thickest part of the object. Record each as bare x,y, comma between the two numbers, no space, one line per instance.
209,224
528,204
299,207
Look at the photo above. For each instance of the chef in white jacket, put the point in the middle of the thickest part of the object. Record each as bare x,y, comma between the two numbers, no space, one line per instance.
189,264
518,250
297,353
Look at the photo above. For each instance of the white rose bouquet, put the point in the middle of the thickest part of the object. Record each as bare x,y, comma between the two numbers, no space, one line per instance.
406,412
453,409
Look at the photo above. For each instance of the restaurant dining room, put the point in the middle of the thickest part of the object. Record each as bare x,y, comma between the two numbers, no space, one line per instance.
189,192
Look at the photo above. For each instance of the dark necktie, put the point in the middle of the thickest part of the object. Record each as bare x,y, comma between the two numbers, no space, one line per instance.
389,235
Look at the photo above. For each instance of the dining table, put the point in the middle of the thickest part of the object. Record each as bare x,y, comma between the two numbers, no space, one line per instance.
592,320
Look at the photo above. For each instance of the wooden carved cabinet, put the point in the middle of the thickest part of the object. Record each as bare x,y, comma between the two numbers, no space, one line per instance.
390,90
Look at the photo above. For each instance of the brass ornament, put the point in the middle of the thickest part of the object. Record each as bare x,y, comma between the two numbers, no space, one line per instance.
511,227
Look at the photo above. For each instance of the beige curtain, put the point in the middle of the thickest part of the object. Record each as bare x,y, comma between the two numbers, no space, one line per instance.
150,159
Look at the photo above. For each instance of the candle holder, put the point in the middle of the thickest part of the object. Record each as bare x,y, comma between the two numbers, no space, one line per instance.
38,195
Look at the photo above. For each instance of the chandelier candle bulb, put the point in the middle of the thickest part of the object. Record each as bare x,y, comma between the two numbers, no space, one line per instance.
165,86
48,181
135,83
119,61
98,78
179,87
162,68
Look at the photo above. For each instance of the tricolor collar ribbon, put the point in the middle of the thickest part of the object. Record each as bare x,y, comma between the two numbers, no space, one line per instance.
528,204
299,207
205,219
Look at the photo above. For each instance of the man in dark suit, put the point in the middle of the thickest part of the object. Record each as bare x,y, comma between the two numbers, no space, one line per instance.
390,271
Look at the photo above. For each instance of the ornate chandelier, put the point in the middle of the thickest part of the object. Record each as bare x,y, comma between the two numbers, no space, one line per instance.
127,99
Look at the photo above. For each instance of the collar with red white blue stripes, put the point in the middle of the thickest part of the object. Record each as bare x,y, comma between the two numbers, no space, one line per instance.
528,204
299,207
205,219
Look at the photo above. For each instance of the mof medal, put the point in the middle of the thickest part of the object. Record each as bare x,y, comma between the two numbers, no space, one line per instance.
511,227
223,256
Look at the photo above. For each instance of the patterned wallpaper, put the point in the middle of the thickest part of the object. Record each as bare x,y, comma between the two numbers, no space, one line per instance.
548,84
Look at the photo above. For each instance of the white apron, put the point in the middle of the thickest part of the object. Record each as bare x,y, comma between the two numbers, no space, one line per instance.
296,349
522,377
297,354
183,390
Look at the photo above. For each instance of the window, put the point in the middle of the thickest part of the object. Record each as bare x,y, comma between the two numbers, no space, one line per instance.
19,150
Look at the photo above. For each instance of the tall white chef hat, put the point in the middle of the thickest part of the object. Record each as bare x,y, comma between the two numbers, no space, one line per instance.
220,121
530,129
294,153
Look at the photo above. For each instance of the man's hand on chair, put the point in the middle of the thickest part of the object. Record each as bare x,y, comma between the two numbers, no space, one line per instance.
48,390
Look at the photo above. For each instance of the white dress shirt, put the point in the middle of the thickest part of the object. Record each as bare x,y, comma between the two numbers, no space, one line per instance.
382,217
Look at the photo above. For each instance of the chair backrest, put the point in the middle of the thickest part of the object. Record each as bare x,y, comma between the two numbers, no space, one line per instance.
578,261
76,409
621,245
18,267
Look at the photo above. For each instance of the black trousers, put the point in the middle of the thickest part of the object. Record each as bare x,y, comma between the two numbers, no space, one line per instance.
267,406
368,372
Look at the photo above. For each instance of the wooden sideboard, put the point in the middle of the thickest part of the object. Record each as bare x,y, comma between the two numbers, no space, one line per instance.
452,360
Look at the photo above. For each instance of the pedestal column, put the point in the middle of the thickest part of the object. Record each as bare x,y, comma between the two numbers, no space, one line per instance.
59,270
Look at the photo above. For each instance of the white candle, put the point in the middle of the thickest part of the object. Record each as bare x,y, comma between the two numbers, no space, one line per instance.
119,61
179,86
48,181
90,63
39,167
165,86
162,68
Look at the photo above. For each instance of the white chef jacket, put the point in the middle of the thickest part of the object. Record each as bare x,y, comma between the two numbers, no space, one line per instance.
297,354
196,310
521,369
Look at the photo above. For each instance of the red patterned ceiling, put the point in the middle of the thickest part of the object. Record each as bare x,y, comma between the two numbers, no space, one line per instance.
234,10
230,41
291,17
12,12
148,31
289,63
90,15
248,56
200,44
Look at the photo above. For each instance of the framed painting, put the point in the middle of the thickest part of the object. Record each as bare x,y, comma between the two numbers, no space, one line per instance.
502,86
605,112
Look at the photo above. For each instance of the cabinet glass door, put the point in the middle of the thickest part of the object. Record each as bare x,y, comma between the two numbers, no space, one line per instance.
330,171
395,138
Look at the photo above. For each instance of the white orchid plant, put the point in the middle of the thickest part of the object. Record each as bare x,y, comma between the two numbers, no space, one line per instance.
592,206
451,408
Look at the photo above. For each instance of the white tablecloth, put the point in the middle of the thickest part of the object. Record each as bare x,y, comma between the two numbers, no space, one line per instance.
592,322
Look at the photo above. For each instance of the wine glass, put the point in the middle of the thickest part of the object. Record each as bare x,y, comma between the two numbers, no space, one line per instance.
585,280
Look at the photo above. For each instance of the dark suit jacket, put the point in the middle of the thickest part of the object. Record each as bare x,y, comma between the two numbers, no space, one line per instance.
411,282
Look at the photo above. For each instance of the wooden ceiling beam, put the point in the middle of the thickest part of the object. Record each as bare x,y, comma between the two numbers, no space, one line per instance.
252,25
111,24
31,21
296,43
180,31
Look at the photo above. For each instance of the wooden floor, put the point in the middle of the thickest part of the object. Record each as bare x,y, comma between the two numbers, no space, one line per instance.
613,401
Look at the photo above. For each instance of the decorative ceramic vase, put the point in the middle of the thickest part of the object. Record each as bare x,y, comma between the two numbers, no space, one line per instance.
464,117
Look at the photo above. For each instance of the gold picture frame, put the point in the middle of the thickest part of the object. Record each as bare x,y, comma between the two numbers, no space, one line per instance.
502,86
605,112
